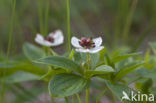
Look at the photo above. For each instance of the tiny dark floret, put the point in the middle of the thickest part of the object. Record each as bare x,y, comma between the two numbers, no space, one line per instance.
87,43
50,39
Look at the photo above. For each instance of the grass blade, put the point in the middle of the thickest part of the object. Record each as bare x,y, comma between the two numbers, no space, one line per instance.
129,20
2,93
68,25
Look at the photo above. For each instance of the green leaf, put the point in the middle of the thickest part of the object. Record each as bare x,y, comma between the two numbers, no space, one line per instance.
125,71
71,54
102,54
9,69
153,45
117,89
24,95
52,52
103,69
77,57
147,73
123,56
63,85
146,86
32,52
21,77
94,59
52,72
108,61
61,62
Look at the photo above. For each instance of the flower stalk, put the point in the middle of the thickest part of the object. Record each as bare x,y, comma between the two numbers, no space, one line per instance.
87,95
68,25
78,97
88,61
89,67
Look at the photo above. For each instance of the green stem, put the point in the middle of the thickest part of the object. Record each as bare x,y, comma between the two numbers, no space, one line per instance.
99,96
88,61
2,92
40,11
11,29
89,67
123,7
117,23
113,96
78,97
50,68
87,95
129,20
52,99
73,101
68,25
66,99
26,92
46,17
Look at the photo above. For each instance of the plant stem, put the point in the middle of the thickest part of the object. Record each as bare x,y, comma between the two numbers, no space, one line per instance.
2,92
123,7
11,29
89,67
113,96
87,95
46,17
78,97
88,61
129,20
73,101
100,95
40,15
68,26
50,68
66,99
52,99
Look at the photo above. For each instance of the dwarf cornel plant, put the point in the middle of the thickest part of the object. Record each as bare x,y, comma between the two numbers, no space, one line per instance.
87,67
75,72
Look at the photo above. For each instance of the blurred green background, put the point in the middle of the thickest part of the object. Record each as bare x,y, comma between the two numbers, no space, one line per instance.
119,22
122,23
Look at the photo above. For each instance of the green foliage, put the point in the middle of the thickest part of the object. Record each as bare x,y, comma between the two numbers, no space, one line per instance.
117,89
61,62
123,57
153,45
146,86
71,73
21,77
26,67
63,85
147,73
33,52
77,57
125,71
102,69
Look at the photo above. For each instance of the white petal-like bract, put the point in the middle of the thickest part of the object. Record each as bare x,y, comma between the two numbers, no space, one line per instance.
96,49
40,40
79,48
75,42
93,50
57,35
82,50
97,41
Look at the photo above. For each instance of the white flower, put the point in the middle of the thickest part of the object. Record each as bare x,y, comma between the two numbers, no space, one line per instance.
53,39
87,44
